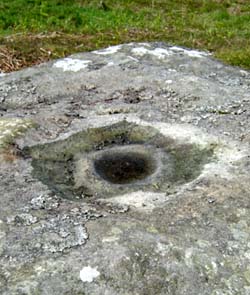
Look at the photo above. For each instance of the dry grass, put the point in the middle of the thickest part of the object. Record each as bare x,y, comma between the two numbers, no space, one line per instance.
39,48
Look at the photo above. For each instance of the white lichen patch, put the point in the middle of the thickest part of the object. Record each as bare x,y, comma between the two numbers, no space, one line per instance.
71,64
109,50
189,52
161,53
157,52
140,51
11,128
88,274
244,73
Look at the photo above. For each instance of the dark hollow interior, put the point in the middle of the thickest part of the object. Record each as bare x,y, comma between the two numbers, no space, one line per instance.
122,168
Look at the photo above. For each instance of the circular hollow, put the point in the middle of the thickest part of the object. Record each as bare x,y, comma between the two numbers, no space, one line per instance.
124,167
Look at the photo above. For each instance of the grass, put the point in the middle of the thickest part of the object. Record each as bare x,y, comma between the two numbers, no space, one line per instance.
33,31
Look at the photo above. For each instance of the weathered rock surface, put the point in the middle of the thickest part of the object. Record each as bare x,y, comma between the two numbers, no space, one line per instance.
69,226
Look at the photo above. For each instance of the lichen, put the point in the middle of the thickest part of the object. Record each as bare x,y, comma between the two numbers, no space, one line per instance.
10,128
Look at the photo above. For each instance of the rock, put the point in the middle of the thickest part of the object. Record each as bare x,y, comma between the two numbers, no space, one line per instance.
125,171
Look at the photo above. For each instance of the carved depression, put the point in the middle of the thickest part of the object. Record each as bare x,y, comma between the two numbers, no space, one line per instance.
116,159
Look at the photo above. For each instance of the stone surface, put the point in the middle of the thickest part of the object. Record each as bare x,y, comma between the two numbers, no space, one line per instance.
184,229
